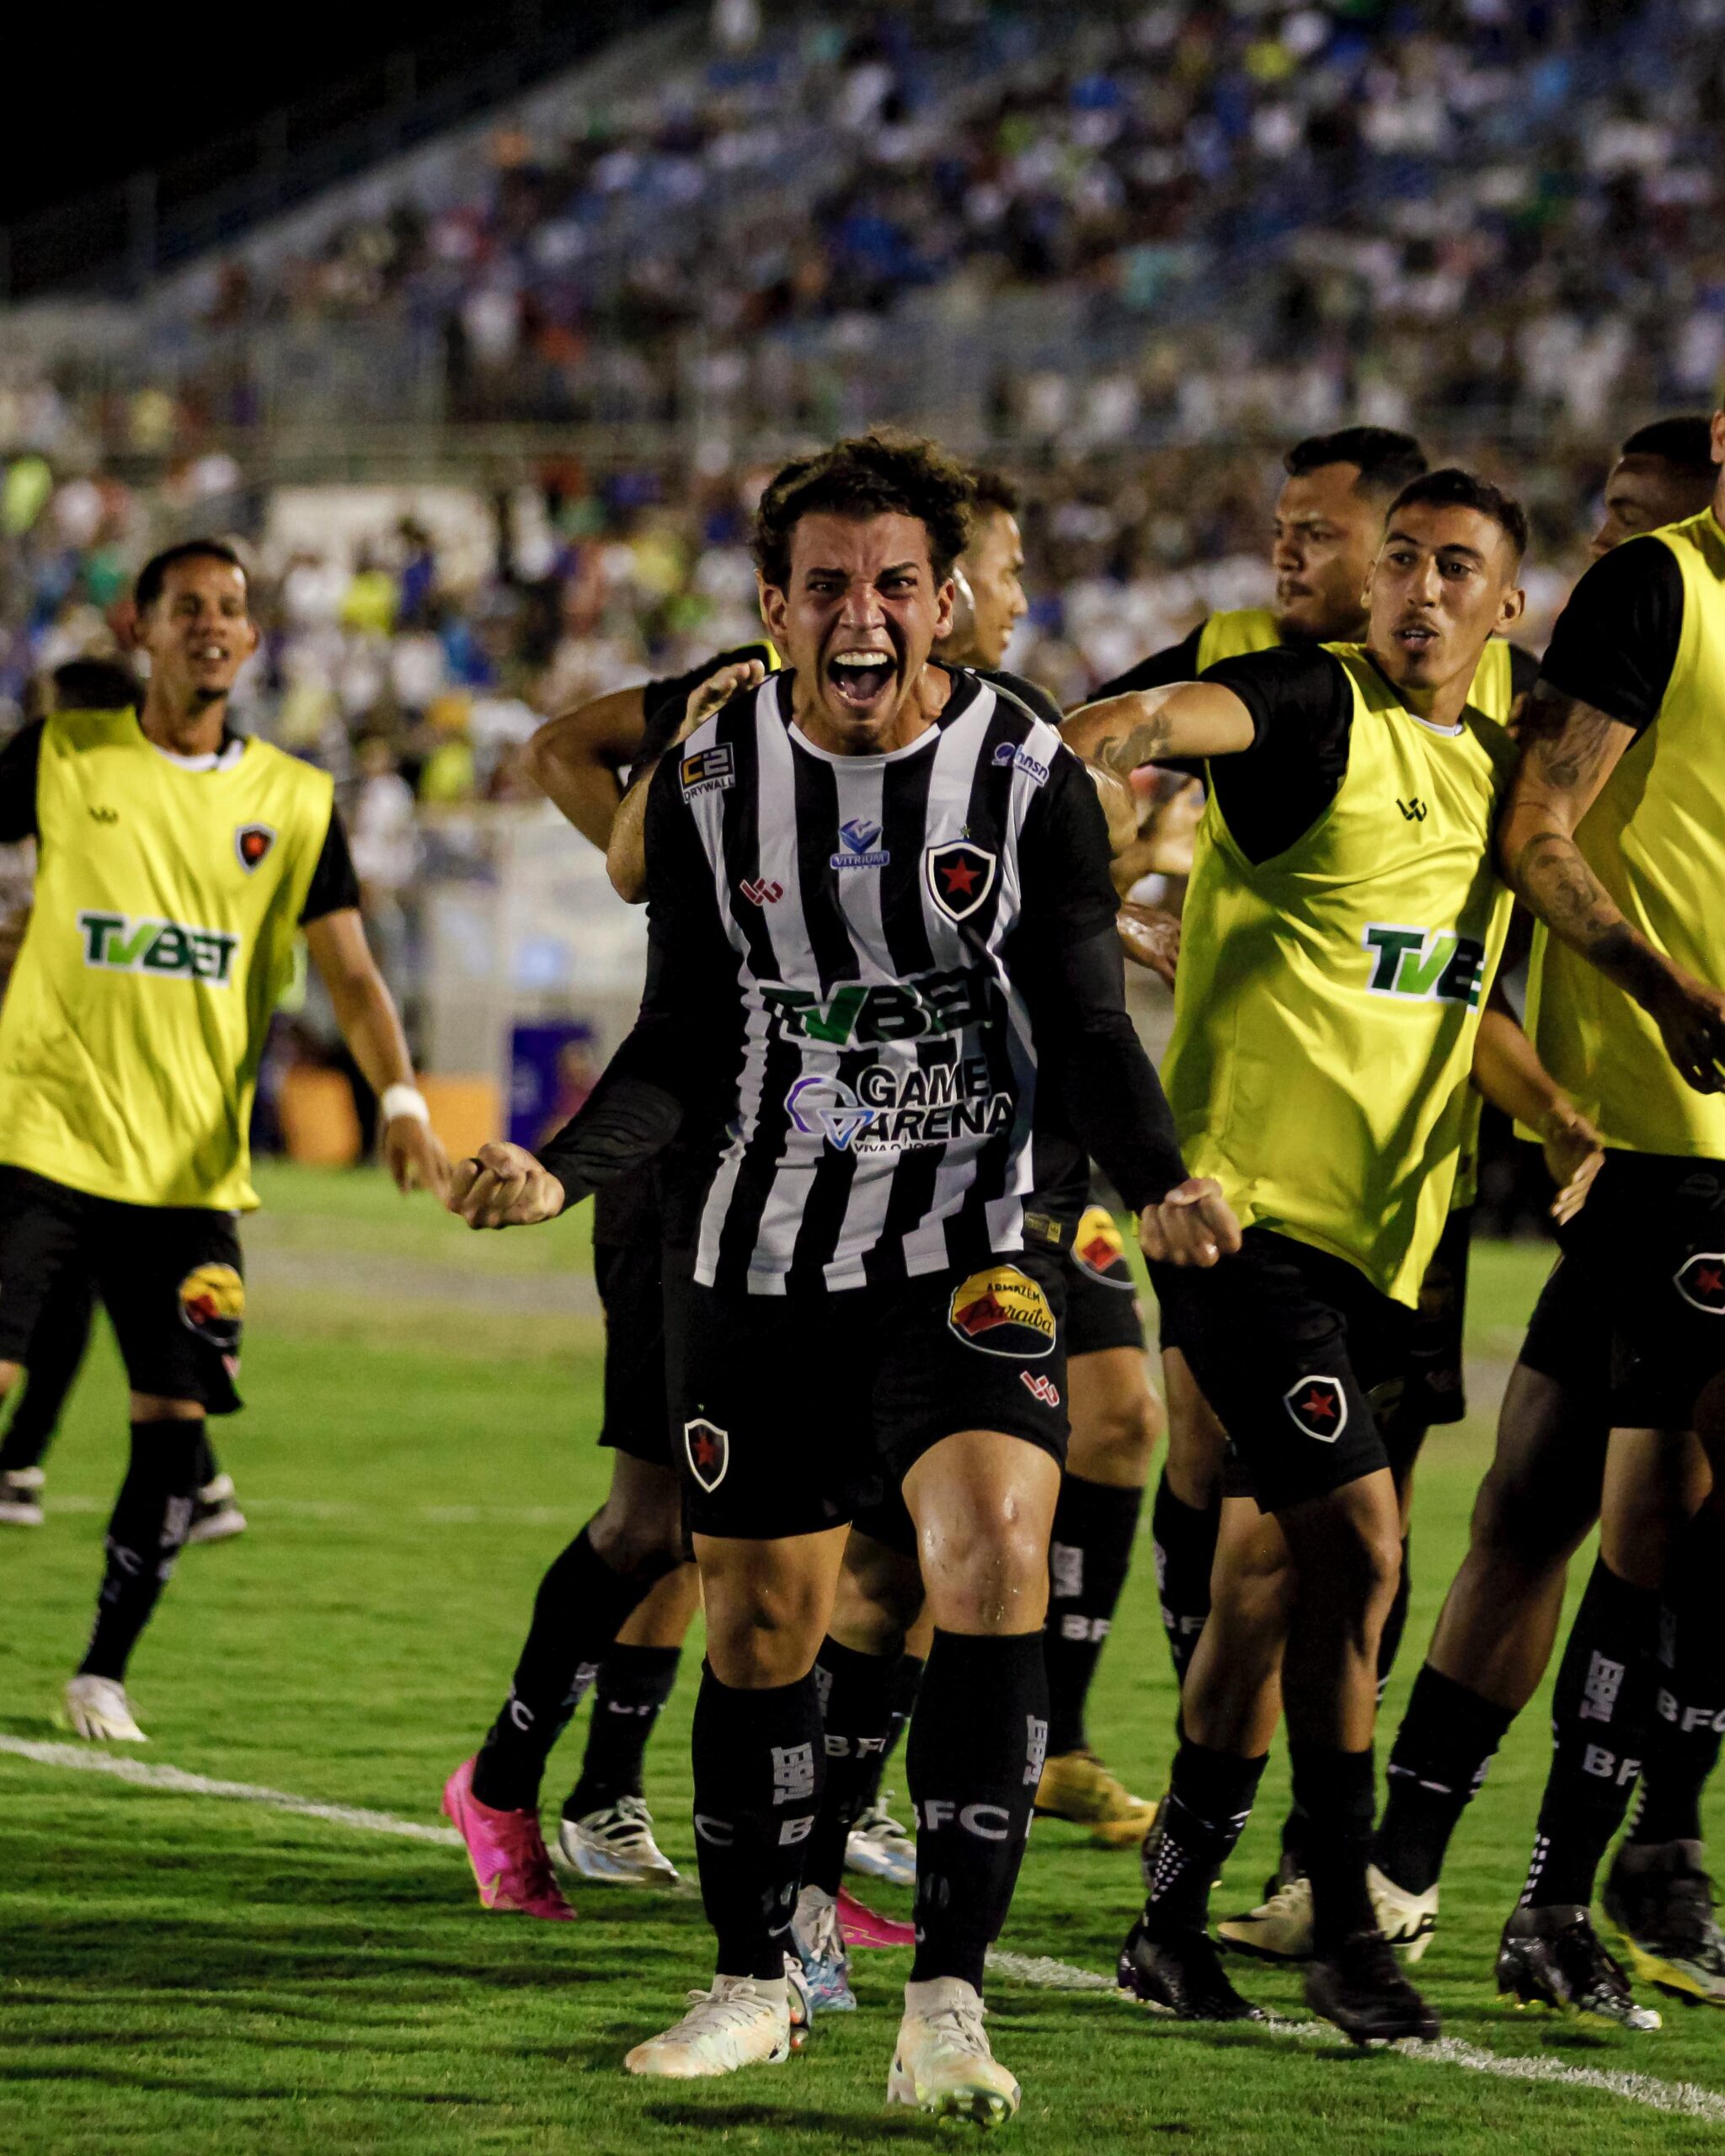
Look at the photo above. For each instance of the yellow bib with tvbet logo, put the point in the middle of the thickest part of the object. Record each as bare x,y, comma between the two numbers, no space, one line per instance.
1655,838
166,907
1327,999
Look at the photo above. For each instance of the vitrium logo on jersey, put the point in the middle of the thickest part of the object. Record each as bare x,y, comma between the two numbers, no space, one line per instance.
857,846
857,1014
118,944
900,1109
1429,964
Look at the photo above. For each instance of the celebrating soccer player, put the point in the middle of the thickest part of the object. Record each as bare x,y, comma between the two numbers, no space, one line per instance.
1342,928
882,950
178,861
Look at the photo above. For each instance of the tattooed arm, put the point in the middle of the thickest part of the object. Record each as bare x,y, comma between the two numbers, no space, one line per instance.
1189,720
1569,750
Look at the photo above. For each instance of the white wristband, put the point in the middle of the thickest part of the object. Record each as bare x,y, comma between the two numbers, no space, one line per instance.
404,1100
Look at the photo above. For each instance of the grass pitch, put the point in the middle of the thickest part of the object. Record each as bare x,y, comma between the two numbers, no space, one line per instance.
182,1974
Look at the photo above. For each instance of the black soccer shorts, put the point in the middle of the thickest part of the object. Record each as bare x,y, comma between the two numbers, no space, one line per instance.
170,1277
1299,1355
1643,1267
1103,1308
630,1279
797,1413
1435,1389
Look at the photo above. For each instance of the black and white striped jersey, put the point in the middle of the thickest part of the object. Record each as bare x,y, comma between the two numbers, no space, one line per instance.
864,970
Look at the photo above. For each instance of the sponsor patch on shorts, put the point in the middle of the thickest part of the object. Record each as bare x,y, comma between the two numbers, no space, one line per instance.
1100,1249
1002,1312
212,1303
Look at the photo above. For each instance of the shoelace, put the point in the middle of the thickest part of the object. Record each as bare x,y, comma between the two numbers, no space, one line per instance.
878,1824
1291,1900
961,2026
714,2013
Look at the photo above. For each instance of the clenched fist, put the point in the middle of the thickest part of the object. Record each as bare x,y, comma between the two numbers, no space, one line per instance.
503,1186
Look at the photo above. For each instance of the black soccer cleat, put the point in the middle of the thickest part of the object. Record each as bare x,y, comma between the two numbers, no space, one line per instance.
1179,1972
1552,1957
1659,1901
1358,1985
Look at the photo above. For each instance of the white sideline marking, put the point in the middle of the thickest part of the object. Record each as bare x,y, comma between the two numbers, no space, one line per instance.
325,1508
1042,1971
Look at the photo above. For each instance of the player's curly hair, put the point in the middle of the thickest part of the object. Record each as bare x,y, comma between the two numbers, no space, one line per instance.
881,473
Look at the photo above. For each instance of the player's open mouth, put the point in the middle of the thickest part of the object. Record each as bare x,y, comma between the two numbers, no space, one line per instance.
1416,637
860,677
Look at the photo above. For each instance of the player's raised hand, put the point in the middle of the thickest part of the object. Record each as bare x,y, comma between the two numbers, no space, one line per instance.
414,1155
1574,1154
717,691
503,1186
1194,1225
1150,937
1691,1018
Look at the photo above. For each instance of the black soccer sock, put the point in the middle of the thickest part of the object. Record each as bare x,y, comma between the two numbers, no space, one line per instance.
1335,1792
1683,1731
976,1753
1210,1799
1599,1722
1395,1624
209,1467
903,1687
1446,1742
628,1694
58,1345
1090,1553
855,1692
576,1612
758,1771
145,1536
1185,1538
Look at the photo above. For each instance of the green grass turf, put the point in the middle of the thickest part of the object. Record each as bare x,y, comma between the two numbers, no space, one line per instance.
182,1975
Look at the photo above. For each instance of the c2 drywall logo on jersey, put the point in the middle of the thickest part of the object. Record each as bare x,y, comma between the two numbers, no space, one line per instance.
1002,1312
900,1109
857,846
1427,965
858,1014
960,876
115,943
708,771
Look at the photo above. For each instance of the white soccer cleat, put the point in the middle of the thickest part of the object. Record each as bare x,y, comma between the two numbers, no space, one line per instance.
944,2064
216,1514
97,1708
1279,1929
1407,1920
880,1848
21,1496
739,2023
615,1845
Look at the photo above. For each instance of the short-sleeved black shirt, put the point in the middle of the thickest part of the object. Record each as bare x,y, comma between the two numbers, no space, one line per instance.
1616,643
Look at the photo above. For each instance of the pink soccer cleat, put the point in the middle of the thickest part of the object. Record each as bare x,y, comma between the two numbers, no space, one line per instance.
507,1852
862,1927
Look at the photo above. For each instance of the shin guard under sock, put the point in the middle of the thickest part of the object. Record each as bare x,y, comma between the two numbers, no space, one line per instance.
855,1690
1185,1542
1336,1795
145,1536
1446,1742
1598,1728
757,1761
902,1688
629,1695
576,1612
1683,1731
975,1754
1090,1553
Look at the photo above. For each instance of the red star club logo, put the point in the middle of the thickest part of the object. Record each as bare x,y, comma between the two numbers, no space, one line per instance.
708,1451
960,876
251,842
1701,1281
1319,1407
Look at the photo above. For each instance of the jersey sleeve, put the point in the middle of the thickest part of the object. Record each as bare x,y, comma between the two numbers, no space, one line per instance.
664,703
1031,694
1523,671
1067,961
19,761
335,884
1302,714
1616,643
1178,663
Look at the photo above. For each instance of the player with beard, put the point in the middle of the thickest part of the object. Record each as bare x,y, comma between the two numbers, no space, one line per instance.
628,1569
1615,1373
1341,931
872,933
177,862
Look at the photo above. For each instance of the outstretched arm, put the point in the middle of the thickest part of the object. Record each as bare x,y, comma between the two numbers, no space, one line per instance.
1187,720
1569,750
